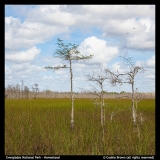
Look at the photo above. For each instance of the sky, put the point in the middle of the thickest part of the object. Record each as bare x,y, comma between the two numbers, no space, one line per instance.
104,31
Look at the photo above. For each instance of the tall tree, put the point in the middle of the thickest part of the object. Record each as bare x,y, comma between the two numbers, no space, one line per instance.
69,53
129,78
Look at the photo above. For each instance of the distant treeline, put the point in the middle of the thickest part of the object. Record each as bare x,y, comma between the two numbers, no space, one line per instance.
21,91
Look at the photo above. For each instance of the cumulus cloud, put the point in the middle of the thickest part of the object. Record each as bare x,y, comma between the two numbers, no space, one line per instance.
28,72
117,27
144,36
27,34
26,67
118,66
140,38
45,21
8,70
23,56
151,62
99,48
147,23
121,11
51,15
148,63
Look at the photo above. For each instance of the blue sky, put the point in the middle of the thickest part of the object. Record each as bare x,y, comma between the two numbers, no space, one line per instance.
31,33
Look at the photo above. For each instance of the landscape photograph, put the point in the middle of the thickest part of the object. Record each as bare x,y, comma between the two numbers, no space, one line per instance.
79,80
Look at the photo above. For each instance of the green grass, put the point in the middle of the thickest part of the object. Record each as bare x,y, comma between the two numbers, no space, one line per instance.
42,127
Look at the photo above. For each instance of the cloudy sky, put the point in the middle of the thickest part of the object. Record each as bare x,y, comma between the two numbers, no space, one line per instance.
105,31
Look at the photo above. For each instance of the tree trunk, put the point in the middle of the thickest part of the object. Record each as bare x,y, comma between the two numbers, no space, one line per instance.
133,107
102,106
102,115
72,97
103,112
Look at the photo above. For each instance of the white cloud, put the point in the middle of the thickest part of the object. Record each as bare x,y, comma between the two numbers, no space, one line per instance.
148,80
47,78
50,15
23,56
144,36
116,66
150,76
49,60
99,48
8,70
121,11
140,42
148,63
117,27
45,21
140,63
27,34
147,23
25,71
151,62
25,67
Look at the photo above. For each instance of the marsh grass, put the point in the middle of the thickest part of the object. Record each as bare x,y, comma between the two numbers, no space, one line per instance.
42,127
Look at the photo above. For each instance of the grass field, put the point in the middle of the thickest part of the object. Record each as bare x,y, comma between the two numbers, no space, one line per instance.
42,127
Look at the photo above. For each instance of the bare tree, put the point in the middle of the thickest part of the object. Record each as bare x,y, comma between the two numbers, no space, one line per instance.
8,91
18,91
26,92
33,92
129,78
69,53
99,78
36,90
22,87
12,91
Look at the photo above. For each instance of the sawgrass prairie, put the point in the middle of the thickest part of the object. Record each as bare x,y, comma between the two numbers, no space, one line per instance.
42,127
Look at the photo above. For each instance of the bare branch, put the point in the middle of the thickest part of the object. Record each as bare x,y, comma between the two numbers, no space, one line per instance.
96,92
94,89
81,57
56,68
98,77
